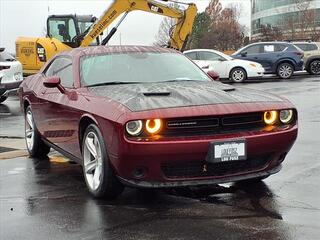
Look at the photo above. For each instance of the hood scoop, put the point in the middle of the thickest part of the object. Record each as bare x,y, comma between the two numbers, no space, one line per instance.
156,94
228,89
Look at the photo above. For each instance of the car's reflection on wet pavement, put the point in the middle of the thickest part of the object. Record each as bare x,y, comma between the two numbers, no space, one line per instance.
53,203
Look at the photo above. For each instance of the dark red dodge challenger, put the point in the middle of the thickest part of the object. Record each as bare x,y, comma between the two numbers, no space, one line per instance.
149,117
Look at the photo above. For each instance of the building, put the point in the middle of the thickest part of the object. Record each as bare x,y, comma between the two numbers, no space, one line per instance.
285,19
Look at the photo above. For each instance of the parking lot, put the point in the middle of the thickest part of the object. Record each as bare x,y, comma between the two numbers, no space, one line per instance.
49,199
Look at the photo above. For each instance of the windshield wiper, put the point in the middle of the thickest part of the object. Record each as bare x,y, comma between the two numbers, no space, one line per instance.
181,80
110,83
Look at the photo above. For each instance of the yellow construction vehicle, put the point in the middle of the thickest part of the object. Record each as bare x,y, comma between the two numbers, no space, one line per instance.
71,31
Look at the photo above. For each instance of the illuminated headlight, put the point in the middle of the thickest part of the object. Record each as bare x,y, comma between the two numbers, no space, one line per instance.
153,126
286,116
134,128
270,117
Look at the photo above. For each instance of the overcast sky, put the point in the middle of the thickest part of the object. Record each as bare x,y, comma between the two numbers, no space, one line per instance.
28,18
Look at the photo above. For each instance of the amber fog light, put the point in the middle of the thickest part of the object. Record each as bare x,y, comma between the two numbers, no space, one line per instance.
286,116
134,128
153,126
270,117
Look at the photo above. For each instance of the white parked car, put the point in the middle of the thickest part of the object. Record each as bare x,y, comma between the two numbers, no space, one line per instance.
10,74
227,67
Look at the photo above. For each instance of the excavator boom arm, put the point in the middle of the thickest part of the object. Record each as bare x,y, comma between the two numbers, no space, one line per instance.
181,31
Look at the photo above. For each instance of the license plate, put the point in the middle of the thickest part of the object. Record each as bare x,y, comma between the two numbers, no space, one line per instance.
226,151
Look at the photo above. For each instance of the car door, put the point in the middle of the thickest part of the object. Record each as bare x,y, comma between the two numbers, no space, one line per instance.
213,61
60,117
251,53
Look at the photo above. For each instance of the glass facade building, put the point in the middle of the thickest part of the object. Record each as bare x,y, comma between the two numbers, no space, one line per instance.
283,14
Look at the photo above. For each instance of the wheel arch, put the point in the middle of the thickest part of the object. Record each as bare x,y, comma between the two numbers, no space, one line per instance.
287,60
25,104
84,122
235,67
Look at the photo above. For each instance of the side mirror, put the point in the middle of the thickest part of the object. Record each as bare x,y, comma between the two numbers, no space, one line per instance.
53,82
244,54
213,75
221,59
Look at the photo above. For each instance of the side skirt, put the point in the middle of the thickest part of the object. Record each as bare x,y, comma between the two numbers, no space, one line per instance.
63,152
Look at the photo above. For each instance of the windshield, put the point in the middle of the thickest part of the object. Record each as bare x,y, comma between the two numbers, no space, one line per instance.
225,56
138,67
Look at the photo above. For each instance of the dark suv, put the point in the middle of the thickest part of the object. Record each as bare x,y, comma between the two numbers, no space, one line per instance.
279,58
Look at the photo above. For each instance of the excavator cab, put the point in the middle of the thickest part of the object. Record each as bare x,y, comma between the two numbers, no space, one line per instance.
70,29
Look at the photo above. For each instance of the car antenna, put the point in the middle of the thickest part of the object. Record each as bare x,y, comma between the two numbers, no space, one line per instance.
113,30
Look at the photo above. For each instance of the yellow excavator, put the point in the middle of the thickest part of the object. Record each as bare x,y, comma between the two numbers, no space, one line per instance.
72,31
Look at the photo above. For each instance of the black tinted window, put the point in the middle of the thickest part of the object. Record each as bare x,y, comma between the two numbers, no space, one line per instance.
61,67
192,55
307,46
252,49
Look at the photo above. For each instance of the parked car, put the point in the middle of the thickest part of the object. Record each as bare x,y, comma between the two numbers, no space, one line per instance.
149,117
227,67
311,56
279,58
10,74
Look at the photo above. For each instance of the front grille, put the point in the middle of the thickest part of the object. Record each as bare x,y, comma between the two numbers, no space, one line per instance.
193,169
213,125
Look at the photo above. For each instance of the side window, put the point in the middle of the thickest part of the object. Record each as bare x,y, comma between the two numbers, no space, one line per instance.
255,49
280,47
312,47
303,47
208,56
269,48
62,67
192,55
63,29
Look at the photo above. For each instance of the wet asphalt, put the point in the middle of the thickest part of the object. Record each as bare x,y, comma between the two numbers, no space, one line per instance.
47,198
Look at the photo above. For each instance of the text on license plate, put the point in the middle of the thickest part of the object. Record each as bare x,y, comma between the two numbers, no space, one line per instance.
230,151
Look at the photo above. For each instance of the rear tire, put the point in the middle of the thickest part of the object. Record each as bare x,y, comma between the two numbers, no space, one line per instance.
3,98
35,145
314,67
238,75
285,70
98,173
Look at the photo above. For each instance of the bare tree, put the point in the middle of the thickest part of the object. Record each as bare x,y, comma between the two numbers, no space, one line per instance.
165,29
163,36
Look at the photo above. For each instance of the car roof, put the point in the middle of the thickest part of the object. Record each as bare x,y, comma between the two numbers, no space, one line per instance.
270,43
97,50
201,50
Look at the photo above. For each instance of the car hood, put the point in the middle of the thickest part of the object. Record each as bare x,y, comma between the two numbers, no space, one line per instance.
142,97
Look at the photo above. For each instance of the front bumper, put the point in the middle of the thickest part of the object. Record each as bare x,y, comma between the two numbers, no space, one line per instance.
145,184
153,158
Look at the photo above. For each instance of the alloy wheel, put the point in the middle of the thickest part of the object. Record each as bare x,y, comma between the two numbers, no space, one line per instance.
238,75
29,130
92,160
315,67
285,71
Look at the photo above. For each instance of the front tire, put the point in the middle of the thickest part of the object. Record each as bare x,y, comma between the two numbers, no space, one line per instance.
285,70
238,75
35,145
98,173
314,67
